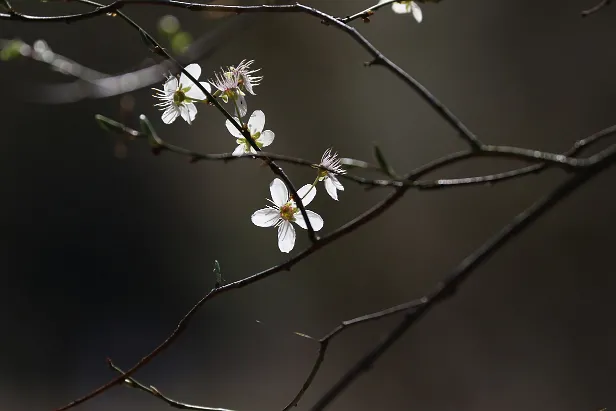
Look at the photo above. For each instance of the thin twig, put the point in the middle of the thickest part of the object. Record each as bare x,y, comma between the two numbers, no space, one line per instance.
133,383
450,284
564,160
378,58
276,169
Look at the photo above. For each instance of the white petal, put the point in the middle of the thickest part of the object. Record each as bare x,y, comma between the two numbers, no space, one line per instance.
188,111
256,122
170,114
194,70
265,217
241,102
196,94
330,188
307,194
401,8
416,12
279,192
266,138
337,183
315,220
239,150
232,129
286,236
171,85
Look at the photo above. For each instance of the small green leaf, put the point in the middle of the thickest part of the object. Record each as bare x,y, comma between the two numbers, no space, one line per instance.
219,279
383,164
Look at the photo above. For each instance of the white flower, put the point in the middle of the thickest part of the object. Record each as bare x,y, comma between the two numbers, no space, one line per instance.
178,96
256,123
231,82
247,80
330,161
285,211
404,7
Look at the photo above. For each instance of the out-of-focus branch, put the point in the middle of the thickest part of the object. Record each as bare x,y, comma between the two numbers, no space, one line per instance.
596,7
378,58
583,169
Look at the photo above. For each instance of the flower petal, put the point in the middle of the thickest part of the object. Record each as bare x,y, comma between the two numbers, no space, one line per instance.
307,194
188,111
286,236
401,7
416,12
241,103
170,114
265,217
266,138
239,150
336,182
171,85
256,122
315,220
196,94
232,129
194,70
330,188
280,194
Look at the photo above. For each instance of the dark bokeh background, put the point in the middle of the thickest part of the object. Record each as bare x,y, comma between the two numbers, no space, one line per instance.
102,256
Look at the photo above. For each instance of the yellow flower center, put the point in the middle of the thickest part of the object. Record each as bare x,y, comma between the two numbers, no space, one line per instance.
179,97
287,212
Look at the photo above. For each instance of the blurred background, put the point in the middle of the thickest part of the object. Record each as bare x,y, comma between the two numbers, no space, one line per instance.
105,246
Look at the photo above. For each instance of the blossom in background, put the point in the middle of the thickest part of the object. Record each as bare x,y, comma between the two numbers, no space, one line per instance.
233,82
285,211
330,161
404,7
256,123
178,96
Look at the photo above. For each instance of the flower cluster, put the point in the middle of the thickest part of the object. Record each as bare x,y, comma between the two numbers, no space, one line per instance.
178,97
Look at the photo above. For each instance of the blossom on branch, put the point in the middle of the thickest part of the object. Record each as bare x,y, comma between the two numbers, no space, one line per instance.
330,161
232,83
404,7
256,123
284,211
178,96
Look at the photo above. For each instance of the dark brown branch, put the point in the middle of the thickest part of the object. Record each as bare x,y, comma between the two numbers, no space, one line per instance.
589,167
411,306
564,160
450,284
377,56
276,169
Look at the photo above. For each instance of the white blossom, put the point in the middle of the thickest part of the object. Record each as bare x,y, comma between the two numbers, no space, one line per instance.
178,96
330,161
232,82
256,123
284,211
404,7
